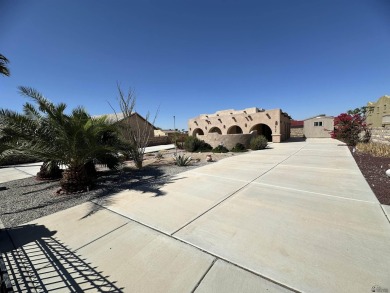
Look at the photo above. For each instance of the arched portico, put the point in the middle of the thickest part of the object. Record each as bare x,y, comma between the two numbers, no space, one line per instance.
197,131
215,130
263,129
234,130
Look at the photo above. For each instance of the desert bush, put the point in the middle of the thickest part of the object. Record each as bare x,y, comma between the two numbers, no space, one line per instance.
220,149
49,171
159,155
182,160
180,145
238,148
374,148
194,144
258,142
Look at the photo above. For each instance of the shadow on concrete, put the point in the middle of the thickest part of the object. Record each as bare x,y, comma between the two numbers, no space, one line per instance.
295,139
35,261
148,181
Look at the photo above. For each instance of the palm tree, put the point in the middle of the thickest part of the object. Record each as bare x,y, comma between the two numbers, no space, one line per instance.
3,66
44,131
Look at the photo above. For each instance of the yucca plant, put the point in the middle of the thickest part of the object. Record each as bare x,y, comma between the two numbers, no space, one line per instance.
45,132
182,160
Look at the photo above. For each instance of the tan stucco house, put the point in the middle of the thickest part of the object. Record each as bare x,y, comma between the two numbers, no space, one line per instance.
137,123
318,126
378,113
232,126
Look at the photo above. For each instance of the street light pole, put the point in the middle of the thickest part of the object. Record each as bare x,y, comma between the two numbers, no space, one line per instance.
174,129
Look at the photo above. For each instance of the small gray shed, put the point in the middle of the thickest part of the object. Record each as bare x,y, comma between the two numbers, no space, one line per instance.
318,126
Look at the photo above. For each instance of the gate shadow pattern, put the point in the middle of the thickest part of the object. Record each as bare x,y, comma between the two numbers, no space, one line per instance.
38,262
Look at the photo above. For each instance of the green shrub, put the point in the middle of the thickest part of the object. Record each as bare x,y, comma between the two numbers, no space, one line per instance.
238,148
220,149
258,143
204,147
182,160
194,144
17,160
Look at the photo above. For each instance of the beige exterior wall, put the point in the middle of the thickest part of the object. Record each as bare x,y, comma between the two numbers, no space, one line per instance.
159,132
318,126
378,113
274,124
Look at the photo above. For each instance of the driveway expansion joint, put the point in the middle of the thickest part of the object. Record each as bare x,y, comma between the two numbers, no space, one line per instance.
204,275
235,192
197,248
317,193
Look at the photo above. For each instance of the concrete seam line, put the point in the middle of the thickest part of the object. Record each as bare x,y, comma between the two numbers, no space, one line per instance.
200,249
23,172
204,275
75,250
312,192
107,232
233,193
310,167
388,219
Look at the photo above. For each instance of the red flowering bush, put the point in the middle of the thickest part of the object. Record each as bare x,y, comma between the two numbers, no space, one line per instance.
350,128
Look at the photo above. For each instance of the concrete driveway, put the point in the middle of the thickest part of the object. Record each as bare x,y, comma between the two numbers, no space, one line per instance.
296,217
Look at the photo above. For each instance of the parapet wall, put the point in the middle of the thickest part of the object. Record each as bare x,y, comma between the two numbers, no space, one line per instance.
381,135
228,140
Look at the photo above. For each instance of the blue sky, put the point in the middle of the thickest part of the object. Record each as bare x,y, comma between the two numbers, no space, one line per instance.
193,57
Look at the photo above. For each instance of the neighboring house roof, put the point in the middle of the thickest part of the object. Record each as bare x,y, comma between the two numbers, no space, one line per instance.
116,117
319,117
296,123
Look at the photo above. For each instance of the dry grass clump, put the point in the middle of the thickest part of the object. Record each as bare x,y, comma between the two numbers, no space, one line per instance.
375,149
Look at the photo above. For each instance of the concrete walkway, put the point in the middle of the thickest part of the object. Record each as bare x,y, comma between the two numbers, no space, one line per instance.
296,217
15,172
157,148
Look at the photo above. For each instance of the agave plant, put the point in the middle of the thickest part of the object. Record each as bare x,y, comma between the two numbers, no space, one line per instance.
45,132
182,160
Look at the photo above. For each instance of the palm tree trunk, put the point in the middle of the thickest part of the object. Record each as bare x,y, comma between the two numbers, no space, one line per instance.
76,179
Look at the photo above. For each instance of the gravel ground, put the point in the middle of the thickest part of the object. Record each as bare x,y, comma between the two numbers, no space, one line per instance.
373,169
28,199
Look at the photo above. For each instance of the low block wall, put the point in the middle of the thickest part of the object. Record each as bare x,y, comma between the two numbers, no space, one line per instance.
228,141
159,140
380,135
296,132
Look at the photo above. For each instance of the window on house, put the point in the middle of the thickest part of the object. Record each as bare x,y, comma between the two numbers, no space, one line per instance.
319,123
384,108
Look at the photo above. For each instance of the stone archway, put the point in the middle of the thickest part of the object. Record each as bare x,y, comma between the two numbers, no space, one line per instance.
215,130
197,131
263,129
234,130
